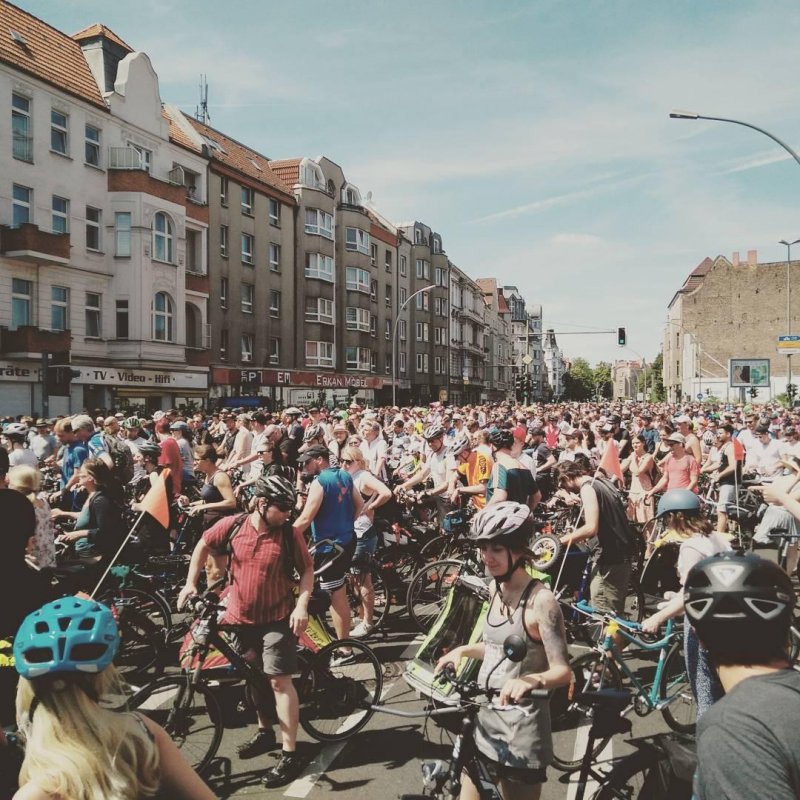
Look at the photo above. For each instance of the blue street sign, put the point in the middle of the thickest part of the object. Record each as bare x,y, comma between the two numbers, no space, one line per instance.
699,395
790,338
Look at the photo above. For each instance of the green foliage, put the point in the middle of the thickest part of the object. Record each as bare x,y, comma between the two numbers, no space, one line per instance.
651,377
579,381
602,379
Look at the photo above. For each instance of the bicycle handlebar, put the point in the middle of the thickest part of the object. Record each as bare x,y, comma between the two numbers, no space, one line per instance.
469,690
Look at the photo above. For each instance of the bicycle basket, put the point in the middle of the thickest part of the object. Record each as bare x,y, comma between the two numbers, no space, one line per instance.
454,521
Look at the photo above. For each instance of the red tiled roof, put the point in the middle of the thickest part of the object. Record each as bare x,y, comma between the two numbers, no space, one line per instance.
100,30
288,170
47,54
241,158
502,305
178,135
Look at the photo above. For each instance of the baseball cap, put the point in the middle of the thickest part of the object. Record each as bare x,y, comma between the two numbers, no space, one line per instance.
677,438
179,426
158,416
313,452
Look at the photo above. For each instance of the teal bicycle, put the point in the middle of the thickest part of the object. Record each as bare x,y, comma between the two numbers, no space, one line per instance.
604,667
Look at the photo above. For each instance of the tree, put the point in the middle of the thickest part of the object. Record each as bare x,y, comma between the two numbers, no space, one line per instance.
602,379
652,377
579,381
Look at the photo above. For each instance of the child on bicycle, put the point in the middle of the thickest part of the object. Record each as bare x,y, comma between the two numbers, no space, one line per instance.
516,745
681,509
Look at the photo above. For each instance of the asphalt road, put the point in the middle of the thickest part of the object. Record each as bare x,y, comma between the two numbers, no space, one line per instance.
383,759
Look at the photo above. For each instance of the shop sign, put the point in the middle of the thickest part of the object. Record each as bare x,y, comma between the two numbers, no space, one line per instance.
144,378
18,372
277,377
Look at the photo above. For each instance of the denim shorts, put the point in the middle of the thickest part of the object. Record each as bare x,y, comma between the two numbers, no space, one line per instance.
365,549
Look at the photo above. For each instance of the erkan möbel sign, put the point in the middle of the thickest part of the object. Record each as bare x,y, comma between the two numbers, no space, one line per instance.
747,372
279,377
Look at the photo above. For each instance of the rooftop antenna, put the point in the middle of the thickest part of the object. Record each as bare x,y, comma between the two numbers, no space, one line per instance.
201,112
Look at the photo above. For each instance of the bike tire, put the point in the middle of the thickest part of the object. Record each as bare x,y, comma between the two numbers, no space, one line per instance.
190,714
567,715
436,549
141,655
152,604
681,714
382,594
336,700
427,592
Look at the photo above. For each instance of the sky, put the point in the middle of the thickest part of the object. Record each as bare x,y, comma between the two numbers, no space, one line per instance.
534,136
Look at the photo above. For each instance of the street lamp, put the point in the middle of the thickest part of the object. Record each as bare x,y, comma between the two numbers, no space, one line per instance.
788,309
394,339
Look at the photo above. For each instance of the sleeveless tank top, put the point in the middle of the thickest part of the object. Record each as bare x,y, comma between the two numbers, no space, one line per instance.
334,520
519,738
362,523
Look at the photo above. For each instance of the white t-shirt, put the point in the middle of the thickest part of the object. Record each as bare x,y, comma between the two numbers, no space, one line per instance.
138,469
256,466
373,452
438,464
698,547
24,457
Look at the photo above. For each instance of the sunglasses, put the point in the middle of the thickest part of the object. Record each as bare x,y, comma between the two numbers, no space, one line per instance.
347,461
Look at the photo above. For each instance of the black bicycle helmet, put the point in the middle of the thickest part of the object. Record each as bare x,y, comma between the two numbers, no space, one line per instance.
741,607
501,438
432,432
276,490
150,450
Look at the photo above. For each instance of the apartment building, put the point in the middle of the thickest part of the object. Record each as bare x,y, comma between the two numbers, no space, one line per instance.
554,364
103,225
469,340
625,376
498,385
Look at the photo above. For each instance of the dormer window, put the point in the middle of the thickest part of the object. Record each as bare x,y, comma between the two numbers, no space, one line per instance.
311,175
351,196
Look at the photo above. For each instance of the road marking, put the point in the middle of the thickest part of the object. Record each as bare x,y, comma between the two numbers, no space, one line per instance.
157,699
606,754
303,785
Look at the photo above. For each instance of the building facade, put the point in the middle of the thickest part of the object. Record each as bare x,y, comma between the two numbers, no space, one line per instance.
625,379
469,339
554,364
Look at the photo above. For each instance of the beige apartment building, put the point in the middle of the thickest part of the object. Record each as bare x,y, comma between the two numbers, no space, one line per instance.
625,378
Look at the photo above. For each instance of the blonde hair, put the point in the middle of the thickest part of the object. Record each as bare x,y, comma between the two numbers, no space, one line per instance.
75,748
26,480
353,453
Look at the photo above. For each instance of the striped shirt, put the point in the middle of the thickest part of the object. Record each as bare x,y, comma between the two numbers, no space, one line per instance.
261,591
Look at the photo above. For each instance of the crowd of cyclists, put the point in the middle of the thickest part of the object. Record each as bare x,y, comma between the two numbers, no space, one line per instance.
279,498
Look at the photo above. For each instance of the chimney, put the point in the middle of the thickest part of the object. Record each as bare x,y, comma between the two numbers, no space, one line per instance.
752,258
735,259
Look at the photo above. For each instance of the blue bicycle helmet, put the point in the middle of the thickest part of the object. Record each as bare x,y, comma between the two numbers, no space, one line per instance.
67,635
683,500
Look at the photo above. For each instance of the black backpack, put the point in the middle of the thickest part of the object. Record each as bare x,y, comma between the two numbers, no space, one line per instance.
122,457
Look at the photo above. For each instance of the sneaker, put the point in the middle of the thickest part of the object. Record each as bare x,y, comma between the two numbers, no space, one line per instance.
262,741
361,630
285,771
343,657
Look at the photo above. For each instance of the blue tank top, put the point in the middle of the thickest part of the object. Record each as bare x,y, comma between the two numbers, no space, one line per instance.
334,520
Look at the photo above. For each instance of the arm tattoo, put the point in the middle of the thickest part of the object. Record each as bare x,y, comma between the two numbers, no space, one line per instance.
548,616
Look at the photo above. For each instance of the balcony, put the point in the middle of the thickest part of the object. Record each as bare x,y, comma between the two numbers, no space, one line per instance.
30,339
198,358
197,282
28,243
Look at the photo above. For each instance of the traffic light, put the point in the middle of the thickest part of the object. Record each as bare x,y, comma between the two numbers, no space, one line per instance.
791,391
753,391
622,337
59,375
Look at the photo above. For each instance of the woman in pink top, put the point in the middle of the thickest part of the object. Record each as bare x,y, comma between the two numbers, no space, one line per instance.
641,465
680,469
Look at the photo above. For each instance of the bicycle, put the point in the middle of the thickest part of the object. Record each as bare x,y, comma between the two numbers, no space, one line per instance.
336,699
604,667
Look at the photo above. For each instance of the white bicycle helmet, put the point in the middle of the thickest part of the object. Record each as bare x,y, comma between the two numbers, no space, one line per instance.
461,444
15,429
500,521
433,432
312,432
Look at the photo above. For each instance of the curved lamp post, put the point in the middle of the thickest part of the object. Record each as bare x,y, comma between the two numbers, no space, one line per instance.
394,339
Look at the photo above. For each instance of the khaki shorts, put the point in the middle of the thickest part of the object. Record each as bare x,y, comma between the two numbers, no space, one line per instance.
609,587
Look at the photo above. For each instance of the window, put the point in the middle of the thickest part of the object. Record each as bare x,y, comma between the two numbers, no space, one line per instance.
247,298
319,354
403,295
274,257
357,319
388,295
403,329
373,361
247,347
387,329
319,309
387,260
59,308
421,301
223,344
21,303
440,276
60,215
357,280
423,332
319,266
274,351
22,205
403,266
437,336
440,306
437,244
122,319
92,146
247,200
358,358
223,191
318,222
423,269
162,238
373,254
388,366
122,234
373,325
402,361
92,228
223,241
422,362
247,248
21,139
145,156
92,315
223,292
274,303
58,132
373,290
437,363
162,317
418,237
357,240
274,212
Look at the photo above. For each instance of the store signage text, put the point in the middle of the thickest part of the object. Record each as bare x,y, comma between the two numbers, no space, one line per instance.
10,371
276,377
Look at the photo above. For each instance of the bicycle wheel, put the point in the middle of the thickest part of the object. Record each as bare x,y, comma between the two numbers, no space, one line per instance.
382,595
626,780
190,714
151,604
142,651
335,698
681,713
436,549
634,601
428,590
590,672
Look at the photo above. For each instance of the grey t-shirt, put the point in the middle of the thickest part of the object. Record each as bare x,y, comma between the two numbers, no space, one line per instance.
748,746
